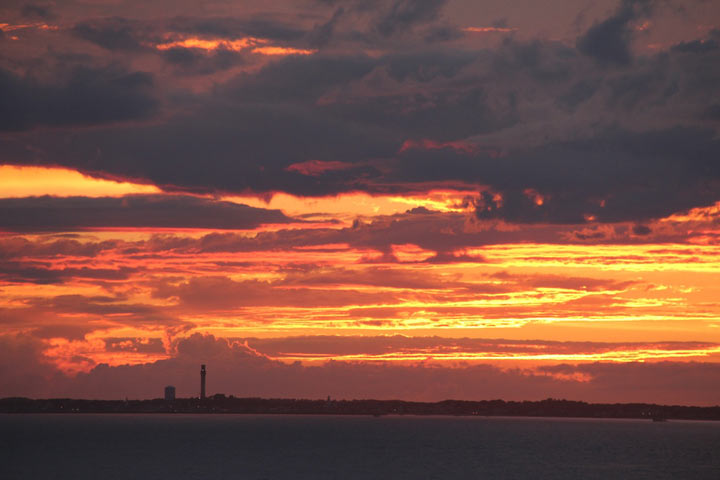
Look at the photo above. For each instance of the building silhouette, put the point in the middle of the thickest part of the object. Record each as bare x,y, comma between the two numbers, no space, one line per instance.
202,381
169,393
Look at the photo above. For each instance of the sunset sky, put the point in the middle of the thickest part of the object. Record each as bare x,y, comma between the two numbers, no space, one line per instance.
413,199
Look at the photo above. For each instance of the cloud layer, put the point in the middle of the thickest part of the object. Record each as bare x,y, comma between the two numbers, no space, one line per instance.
597,129
236,369
419,199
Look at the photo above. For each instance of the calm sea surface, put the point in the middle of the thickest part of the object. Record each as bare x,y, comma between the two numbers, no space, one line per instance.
178,447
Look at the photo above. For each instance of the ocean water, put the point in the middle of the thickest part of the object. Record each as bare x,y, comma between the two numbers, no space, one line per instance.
178,447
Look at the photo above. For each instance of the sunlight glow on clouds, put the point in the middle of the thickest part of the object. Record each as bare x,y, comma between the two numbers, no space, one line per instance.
23,181
433,194
253,44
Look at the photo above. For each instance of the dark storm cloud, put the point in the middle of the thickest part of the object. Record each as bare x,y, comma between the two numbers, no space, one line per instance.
441,106
594,142
442,33
322,33
713,112
712,42
300,79
182,55
42,11
641,230
403,14
395,17
696,46
578,93
618,175
354,23
231,28
119,33
190,61
160,211
608,41
135,37
247,147
114,33
237,129
87,96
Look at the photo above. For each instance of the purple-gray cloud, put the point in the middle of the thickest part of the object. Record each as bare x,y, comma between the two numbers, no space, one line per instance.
131,211
589,134
235,369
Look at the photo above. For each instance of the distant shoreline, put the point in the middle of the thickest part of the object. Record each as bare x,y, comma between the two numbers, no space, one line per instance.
219,404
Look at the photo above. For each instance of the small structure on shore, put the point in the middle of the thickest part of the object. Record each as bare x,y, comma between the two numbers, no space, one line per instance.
169,393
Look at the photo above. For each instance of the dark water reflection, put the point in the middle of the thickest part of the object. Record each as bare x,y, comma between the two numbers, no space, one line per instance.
325,447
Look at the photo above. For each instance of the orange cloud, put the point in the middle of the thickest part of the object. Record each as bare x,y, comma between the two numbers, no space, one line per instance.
253,44
275,50
430,355
536,197
456,351
23,181
212,43
489,29
6,27
81,292
411,253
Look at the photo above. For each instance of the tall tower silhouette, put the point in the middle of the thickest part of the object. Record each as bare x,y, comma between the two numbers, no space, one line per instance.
202,382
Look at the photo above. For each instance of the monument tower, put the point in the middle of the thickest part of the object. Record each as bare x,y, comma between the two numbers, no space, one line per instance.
202,382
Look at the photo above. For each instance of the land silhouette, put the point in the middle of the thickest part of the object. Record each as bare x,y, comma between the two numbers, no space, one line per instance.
220,403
